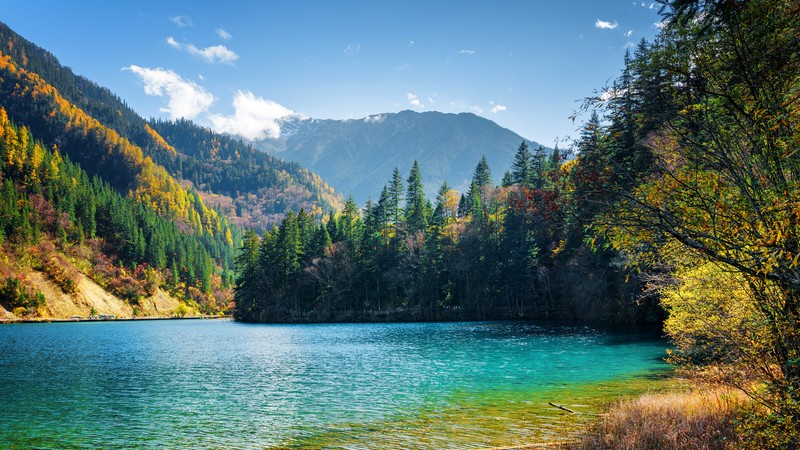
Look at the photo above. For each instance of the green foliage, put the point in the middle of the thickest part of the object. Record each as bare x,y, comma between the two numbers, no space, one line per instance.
420,265
694,175
15,294
45,192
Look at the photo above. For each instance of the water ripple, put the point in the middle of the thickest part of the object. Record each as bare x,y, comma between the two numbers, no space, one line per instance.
220,384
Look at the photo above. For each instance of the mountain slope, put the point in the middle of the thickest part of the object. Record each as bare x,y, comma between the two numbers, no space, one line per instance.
226,176
357,157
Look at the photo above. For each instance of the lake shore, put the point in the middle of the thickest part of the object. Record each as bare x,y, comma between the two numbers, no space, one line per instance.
115,319
695,415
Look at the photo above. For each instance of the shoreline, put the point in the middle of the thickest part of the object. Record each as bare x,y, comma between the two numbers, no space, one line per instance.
117,319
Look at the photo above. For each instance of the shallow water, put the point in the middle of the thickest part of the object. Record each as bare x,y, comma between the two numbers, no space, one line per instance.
221,384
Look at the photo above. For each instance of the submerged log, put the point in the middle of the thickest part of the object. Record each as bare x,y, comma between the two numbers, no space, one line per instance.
561,407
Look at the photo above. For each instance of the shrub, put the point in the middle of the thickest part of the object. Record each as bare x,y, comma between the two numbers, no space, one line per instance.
181,310
14,293
62,272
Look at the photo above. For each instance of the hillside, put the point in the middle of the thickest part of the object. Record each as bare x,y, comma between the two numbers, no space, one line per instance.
80,200
213,165
357,156
69,242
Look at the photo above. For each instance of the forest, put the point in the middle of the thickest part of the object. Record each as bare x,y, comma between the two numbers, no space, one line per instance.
683,192
50,207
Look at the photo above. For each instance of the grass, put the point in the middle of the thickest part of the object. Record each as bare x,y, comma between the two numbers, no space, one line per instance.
700,418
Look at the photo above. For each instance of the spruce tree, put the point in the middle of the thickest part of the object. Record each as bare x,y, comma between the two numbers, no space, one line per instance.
521,168
415,212
395,198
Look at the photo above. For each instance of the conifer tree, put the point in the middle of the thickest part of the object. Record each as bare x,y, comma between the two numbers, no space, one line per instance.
415,212
521,168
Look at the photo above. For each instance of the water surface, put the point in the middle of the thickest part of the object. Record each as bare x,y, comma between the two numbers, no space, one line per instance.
212,384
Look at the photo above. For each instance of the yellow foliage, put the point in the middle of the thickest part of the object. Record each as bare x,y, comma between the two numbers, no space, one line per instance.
154,185
158,139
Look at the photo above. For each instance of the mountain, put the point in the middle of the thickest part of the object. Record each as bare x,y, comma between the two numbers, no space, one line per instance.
252,188
357,157
99,209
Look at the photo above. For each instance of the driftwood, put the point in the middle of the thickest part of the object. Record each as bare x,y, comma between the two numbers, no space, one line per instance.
561,407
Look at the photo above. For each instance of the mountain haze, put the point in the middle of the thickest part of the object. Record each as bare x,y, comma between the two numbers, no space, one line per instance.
357,156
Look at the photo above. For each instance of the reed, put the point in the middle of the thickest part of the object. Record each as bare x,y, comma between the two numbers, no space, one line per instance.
700,418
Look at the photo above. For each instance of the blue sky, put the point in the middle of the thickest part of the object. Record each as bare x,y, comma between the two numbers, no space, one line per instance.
236,66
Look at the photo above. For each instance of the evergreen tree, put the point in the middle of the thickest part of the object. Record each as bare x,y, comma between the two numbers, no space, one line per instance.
416,209
521,168
483,174
395,198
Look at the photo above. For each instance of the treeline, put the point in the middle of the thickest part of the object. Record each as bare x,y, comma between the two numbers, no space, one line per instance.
493,252
46,197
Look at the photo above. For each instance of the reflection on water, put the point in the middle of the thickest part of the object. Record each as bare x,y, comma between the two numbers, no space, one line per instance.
225,384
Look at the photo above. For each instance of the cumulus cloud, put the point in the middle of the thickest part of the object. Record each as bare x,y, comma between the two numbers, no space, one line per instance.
629,33
466,52
221,32
184,98
604,25
214,54
498,108
181,21
414,101
253,117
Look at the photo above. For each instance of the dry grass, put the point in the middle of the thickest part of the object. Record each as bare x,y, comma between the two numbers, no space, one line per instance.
701,418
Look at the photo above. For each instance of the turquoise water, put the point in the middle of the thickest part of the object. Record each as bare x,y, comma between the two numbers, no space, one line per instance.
221,384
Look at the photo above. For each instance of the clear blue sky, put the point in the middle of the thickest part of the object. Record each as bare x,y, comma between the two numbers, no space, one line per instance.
237,65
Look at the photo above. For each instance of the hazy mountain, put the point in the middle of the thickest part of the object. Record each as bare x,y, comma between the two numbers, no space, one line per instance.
357,157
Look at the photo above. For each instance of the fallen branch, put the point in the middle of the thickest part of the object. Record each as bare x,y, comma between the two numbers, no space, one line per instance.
561,407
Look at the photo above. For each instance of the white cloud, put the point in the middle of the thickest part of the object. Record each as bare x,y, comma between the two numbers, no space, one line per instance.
604,25
629,33
214,54
352,49
660,25
181,21
253,117
414,101
466,52
463,106
184,98
221,32
498,108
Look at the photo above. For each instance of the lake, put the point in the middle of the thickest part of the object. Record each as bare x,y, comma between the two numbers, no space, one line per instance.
222,384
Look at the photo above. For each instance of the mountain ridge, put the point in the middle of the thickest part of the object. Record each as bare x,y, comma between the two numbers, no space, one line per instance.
357,156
